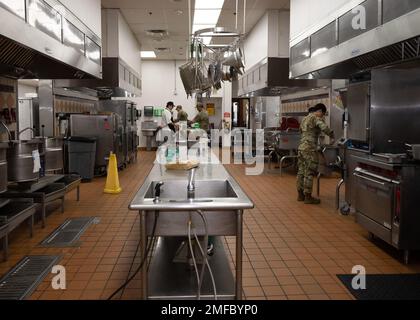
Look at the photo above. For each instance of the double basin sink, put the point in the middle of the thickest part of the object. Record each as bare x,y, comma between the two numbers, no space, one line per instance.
219,200
174,196
173,192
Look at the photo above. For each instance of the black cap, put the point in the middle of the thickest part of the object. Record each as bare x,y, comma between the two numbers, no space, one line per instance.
319,107
170,104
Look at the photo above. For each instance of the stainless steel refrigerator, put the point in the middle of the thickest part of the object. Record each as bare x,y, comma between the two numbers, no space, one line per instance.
109,132
129,115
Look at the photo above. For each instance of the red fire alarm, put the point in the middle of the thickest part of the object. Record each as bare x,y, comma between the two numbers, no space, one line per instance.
107,126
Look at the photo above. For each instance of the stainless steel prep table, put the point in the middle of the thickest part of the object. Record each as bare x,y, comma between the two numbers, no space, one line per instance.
45,191
224,215
72,181
12,215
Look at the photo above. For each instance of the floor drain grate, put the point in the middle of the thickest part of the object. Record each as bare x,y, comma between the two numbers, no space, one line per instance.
23,279
69,232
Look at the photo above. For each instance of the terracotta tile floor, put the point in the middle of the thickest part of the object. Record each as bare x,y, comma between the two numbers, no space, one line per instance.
292,251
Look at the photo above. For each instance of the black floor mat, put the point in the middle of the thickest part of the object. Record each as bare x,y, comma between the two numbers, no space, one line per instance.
23,279
68,234
386,287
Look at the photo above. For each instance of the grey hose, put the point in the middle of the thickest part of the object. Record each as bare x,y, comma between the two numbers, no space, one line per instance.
208,266
204,253
194,261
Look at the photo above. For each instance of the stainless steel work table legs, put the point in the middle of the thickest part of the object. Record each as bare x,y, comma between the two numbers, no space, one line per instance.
238,263
143,245
239,248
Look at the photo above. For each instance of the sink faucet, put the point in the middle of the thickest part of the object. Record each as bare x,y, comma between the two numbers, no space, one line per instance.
191,181
157,191
26,129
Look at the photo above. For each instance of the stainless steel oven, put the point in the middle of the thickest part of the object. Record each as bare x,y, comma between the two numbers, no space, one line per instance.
386,194
375,199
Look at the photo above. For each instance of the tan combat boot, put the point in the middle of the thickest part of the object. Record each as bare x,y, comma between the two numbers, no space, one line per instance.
301,196
310,200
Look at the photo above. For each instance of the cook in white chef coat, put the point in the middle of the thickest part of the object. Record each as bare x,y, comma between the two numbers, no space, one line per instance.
167,126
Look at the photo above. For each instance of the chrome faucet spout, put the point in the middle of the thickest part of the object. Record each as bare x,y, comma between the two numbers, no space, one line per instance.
191,181
158,191
26,129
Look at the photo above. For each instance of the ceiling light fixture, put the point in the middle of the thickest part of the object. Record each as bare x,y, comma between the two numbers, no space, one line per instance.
209,4
162,49
206,15
148,54
157,33
210,16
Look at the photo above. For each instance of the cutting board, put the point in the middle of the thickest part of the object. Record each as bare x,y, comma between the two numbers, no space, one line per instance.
183,166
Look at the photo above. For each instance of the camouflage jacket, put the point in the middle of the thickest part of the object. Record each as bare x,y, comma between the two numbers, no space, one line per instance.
182,116
311,128
203,119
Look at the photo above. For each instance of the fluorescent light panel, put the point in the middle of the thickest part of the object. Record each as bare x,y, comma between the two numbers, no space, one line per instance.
207,40
209,4
206,15
197,27
148,54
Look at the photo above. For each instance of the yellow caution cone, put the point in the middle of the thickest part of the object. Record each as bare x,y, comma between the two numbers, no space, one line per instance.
112,181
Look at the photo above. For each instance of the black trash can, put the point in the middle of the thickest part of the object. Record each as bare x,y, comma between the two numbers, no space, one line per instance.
81,156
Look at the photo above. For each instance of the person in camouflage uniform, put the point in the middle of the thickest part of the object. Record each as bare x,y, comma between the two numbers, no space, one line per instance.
182,115
202,118
311,128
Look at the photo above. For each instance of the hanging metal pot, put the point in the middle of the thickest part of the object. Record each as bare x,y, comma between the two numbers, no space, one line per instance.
234,58
193,78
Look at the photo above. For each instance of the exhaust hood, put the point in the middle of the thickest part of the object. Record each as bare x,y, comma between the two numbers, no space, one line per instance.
54,47
121,73
338,51
119,80
271,78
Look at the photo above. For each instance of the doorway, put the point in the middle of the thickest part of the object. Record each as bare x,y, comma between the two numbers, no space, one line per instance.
241,115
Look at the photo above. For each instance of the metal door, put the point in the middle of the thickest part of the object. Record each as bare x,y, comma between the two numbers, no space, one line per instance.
25,118
97,126
375,198
358,105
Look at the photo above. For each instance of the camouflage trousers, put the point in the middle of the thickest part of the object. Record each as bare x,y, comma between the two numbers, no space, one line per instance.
308,168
